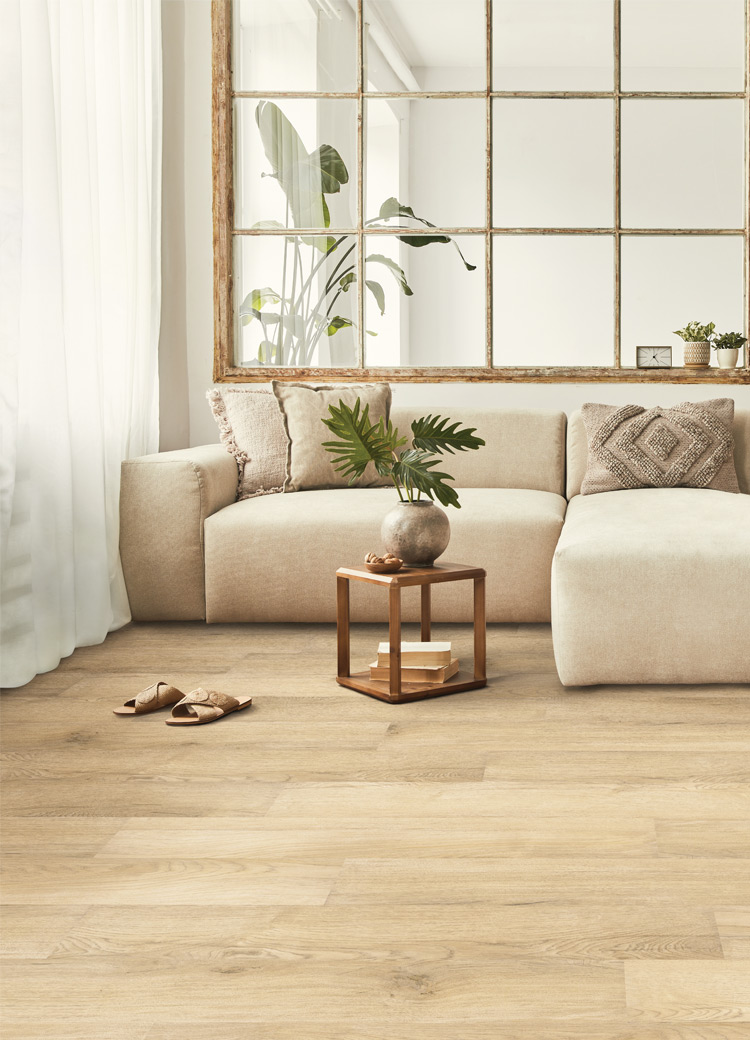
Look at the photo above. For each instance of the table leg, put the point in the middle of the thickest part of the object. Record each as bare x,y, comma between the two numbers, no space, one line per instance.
342,625
394,635
480,631
426,614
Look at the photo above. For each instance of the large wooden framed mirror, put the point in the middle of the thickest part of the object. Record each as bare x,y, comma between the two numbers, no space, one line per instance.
436,190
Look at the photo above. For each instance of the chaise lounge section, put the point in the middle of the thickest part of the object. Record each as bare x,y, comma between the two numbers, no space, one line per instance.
653,585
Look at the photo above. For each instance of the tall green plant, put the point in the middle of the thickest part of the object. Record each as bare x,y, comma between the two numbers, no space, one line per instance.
297,314
412,470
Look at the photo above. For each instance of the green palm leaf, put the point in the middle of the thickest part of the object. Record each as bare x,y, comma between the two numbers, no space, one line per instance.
414,469
360,441
432,433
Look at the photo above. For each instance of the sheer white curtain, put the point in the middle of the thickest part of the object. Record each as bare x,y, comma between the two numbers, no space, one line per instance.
80,175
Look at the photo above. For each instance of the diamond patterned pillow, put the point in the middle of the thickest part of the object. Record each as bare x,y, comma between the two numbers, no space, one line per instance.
689,445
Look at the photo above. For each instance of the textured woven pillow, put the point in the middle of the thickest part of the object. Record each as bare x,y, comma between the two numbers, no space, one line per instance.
689,445
252,430
309,465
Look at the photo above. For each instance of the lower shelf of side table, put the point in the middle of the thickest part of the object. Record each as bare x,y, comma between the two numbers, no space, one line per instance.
410,691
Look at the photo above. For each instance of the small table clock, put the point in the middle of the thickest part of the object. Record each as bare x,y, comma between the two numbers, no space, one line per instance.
653,357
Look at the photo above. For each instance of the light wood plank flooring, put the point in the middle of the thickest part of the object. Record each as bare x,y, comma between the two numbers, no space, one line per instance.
523,862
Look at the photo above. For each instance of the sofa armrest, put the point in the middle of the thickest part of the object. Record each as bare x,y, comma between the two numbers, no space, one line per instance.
164,501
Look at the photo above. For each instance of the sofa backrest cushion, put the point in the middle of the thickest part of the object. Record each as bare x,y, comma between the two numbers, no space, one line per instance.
577,452
523,449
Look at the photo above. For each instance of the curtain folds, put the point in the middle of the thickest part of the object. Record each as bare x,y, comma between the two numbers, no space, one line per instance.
80,181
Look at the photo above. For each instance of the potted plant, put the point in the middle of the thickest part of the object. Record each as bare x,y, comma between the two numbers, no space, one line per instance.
697,343
727,347
319,270
416,530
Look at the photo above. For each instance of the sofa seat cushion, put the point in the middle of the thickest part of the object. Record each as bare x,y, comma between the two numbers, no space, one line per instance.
653,586
274,558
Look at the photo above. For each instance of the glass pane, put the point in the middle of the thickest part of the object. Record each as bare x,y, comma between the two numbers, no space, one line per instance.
552,163
682,45
294,45
668,281
441,322
422,45
429,155
295,163
552,45
553,301
682,163
295,301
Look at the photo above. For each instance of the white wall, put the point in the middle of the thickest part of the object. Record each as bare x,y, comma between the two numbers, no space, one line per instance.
186,347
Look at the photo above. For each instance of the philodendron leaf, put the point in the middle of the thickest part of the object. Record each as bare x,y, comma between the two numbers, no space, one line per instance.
396,271
377,291
268,225
415,469
432,433
347,281
392,208
359,441
331,165
337,323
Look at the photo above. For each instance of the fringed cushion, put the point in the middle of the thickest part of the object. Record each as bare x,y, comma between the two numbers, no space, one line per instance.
252,430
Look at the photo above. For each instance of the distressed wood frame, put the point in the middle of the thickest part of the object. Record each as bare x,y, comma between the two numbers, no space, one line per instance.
225,371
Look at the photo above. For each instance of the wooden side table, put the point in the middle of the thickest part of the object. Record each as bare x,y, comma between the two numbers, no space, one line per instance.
394,691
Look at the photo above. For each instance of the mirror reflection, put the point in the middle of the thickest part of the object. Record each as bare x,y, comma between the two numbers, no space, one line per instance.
425,45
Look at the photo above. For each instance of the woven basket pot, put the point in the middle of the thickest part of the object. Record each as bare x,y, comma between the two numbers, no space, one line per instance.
698,355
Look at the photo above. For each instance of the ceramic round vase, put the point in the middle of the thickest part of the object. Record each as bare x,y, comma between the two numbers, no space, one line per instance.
727,356
416,532
698,355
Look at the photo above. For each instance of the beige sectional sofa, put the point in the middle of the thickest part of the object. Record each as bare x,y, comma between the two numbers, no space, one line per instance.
646,586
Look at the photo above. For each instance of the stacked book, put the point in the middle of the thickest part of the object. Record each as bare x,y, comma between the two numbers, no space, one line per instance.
420,662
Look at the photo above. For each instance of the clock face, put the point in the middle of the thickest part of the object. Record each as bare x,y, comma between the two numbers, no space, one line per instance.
654,357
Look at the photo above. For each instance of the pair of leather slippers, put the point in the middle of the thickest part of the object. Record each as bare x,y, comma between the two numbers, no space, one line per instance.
192,709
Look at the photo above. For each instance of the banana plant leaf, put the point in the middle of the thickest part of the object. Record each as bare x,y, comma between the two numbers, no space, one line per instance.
305,177
396,271
392,208
337,323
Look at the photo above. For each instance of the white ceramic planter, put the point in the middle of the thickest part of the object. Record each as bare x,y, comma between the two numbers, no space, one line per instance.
727,356
698,355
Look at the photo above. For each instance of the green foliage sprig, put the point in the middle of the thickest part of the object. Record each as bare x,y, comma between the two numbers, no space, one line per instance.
412,470
694,332
728,341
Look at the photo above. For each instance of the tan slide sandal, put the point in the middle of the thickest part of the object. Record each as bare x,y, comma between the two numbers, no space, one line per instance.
158,696
202,706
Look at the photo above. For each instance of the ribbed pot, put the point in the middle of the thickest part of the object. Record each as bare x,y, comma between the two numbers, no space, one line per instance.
727,356
416,532
698,355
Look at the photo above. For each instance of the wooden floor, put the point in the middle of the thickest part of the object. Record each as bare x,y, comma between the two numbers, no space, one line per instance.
523,862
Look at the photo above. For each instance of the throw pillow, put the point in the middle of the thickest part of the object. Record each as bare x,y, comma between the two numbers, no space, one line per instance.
689,445
309,465
252,429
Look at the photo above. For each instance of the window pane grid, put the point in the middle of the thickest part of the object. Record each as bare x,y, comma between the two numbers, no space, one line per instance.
225,362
